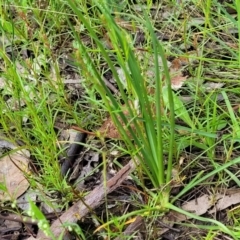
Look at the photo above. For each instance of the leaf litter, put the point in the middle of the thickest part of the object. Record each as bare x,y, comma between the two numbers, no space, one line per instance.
206,203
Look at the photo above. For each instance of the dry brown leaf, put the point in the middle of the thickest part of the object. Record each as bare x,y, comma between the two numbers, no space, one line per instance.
220,202
109,130
225,201
179,62
202,205
12,170
177,77
178,81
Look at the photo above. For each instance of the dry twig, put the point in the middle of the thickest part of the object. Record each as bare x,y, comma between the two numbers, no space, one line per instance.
91,201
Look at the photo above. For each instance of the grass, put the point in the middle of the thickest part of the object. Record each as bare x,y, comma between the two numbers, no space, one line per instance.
157,125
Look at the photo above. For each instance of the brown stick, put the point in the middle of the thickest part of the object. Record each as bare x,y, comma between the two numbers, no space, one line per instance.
133,227
91,201
110,86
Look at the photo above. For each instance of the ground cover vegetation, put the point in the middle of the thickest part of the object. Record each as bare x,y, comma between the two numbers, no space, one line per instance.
119,119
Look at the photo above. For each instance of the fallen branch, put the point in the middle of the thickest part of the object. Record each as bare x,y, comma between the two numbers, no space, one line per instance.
91,201
134,227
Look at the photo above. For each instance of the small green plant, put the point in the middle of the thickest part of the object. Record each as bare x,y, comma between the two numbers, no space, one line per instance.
144,121
36,215
43,224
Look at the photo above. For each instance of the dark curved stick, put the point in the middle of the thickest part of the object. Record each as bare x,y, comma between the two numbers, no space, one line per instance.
72,152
